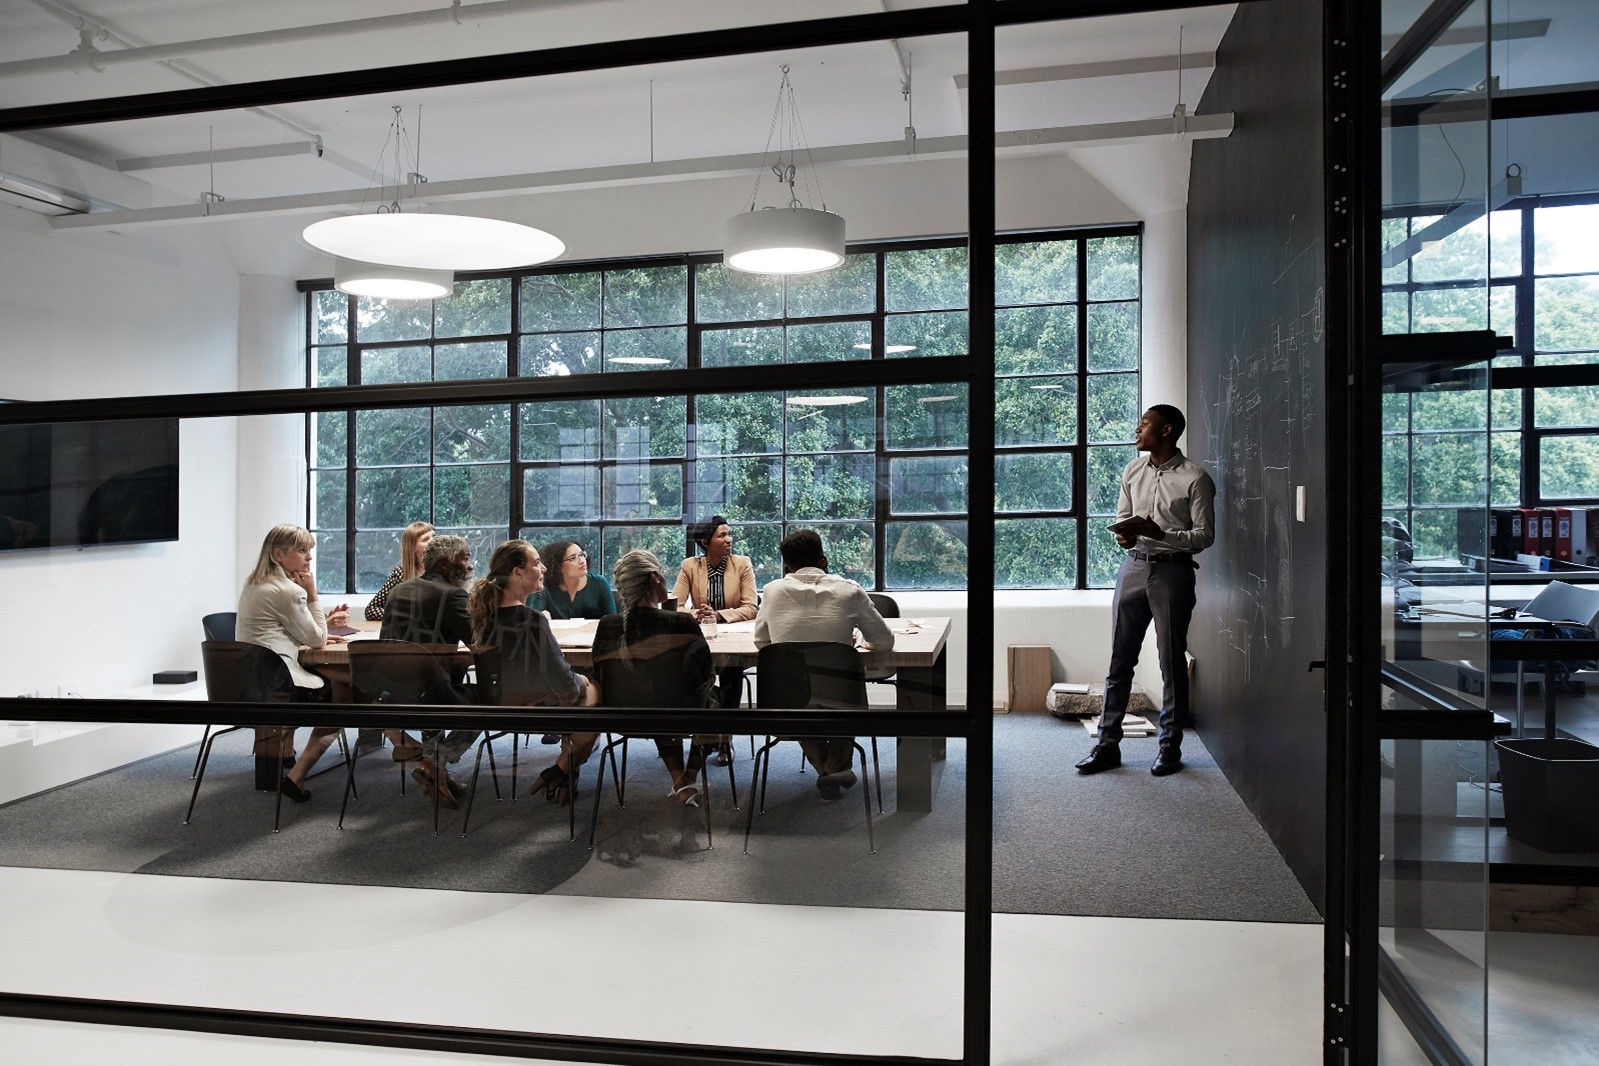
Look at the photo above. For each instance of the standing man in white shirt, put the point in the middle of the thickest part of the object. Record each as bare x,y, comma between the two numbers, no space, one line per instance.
808,603
1165,516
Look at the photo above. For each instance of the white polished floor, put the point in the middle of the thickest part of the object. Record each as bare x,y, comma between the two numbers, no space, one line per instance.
884,982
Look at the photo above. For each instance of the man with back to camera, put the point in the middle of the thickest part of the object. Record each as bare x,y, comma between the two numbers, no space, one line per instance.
1164,517
431,608
808,603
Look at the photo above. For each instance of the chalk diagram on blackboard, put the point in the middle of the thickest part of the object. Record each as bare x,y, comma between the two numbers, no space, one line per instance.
1260,424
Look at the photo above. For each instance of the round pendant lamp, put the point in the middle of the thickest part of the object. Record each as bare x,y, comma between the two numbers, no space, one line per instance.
433,242
390,282
784,240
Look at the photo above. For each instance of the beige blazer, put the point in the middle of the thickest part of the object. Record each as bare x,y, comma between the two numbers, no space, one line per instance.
738,587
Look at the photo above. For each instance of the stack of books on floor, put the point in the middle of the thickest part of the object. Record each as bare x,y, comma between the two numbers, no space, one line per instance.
1133,725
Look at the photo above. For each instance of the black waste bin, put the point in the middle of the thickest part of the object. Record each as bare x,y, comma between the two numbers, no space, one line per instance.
1551,790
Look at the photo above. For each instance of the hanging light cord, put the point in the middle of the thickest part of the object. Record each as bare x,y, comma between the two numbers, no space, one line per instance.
789,132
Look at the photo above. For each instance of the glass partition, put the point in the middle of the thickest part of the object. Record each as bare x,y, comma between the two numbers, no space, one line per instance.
441,778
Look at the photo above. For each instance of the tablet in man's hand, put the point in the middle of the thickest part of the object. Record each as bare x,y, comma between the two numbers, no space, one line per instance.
1126,526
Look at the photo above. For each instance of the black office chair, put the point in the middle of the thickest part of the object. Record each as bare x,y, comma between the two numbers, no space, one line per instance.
819,674
639,682
400,671
218,626
236,672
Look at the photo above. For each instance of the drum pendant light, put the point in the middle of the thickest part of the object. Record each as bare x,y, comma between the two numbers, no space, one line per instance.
793,237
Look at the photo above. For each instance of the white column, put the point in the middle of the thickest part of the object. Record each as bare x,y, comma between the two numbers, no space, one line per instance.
272,467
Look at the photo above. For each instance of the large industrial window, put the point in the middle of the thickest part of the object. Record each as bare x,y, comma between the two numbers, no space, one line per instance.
1529,272
880,471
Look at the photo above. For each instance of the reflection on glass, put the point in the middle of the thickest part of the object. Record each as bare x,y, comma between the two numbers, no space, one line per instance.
559,354
926,416
723,295
934,485
1035,340
561,493
739,489
1039,482
645,349
925,555
474,308
330,317
477,434
564,430
1112,269
561,303
831,487
472,496
1031,553
925,279
850,551
646,296
456,362
387,366
741,347
829,342
1038,410
937,333
739,423
1038,272
641,491
828,420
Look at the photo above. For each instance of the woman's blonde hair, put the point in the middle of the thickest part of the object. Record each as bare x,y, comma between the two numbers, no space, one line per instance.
485,597
279,539
632,576
410,566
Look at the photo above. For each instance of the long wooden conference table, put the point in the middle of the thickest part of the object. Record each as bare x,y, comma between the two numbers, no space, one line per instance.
917,660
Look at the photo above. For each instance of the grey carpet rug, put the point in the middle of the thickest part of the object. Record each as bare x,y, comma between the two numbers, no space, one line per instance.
1118,844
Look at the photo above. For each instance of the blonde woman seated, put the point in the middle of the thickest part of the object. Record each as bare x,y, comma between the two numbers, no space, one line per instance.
650,657
533,671
279,609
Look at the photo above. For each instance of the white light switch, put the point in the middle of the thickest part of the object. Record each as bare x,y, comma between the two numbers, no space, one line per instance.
1299,502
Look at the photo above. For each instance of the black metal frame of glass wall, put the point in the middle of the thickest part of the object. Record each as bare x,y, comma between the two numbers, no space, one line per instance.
977,19
883,453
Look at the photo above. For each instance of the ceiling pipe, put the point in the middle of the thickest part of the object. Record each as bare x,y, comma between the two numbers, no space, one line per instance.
1055,138
86,57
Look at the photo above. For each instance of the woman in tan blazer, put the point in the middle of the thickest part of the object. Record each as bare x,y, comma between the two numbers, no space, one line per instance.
718,586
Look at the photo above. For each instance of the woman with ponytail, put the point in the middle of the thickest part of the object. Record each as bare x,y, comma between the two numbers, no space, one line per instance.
533,672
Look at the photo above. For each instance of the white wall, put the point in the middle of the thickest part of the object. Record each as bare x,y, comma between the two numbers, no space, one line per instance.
101,315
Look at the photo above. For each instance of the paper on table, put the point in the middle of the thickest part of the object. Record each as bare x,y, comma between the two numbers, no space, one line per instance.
569,623
735,627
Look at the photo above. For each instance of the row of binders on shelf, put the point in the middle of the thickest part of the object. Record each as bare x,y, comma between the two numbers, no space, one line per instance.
1530,535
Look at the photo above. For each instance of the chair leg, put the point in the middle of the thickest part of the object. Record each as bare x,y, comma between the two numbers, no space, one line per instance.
277,814
621,784
348,752
705,792
763,759
205,738
732,783
516,751
199,775
878,770
571,787
494,771
477,767
866,798
349,789
608,752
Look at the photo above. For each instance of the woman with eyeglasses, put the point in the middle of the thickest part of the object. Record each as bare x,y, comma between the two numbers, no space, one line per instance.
570,591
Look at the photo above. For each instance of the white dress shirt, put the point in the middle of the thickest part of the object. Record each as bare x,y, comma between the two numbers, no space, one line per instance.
811,604
1177,495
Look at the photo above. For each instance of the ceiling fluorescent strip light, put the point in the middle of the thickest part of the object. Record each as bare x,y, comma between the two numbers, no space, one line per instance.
34,196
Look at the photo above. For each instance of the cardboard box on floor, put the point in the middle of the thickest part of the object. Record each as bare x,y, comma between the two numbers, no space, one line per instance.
1029,671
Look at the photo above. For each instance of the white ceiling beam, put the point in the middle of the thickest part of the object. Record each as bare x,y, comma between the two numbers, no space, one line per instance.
1110,68
1056,138
86,57
221,155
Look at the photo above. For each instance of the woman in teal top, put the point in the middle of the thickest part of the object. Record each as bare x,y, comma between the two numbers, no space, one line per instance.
570,591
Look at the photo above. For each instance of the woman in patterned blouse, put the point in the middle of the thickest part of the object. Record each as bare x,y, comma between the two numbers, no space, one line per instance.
718,587
413,542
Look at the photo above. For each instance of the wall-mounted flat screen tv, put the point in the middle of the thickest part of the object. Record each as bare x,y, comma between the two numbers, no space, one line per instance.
81,483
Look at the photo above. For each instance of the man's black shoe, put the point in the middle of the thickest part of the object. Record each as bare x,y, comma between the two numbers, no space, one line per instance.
1105,756
1169,761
